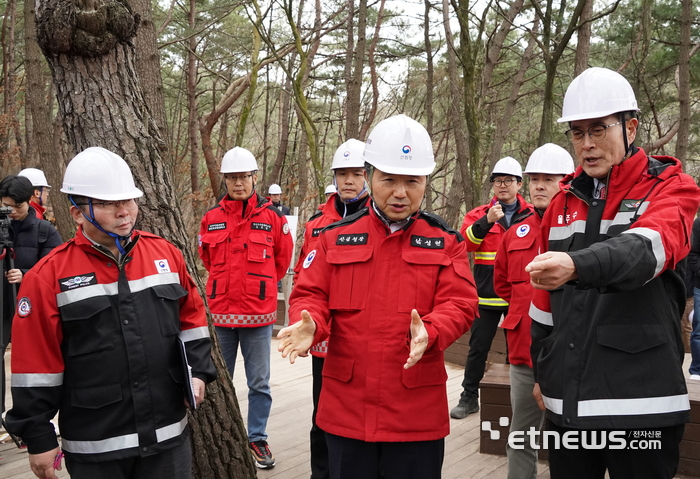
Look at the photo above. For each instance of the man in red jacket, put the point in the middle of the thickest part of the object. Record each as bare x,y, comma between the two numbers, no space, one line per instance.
547,166
244,243
396,282
41,186
101,328
483,228
606,336
350,176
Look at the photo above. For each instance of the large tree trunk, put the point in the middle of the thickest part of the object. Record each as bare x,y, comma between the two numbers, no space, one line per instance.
100,98
683,76
51,159
356,54
148,65
456,122
191,75
583,46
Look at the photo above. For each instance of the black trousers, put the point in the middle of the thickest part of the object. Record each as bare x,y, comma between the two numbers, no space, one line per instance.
175,463
482,333
353,459
319,449
634,462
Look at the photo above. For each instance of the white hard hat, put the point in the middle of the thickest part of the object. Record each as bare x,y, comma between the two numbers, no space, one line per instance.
98,173
36,176
330,189
349,155
550,159
400,145
274,189
507,166
238,160
597,93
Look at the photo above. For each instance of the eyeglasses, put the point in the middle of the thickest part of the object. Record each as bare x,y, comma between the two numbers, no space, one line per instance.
506,182
111,207
596,132
237,178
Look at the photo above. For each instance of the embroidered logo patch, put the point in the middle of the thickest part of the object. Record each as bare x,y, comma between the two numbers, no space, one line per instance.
24,307
522,230
79,281
162,265
629,205
309,259
352,239
316,231
285,228
427,243
260,226
216,226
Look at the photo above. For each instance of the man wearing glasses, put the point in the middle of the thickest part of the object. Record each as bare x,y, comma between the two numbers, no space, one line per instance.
606,317
102,328
483,228
244,243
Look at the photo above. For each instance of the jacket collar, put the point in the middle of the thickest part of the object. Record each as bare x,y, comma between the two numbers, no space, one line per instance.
624,176
253,204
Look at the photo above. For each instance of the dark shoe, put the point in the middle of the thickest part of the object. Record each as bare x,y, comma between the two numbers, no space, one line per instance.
465,408
262,455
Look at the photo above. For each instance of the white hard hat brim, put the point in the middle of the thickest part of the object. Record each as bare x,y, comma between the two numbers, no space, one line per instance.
393,170
128,195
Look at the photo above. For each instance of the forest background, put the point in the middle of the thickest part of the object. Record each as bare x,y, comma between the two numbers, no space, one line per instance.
291,80
172,85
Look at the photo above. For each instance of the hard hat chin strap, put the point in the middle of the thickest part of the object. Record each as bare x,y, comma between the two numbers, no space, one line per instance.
41,193
117,238
352,200
623,122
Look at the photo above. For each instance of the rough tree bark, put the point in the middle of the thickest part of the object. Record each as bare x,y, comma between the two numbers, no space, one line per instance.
456,122
683,80
583,46
148,65
356,55
371,60
51,159
429,85
191,75
101,102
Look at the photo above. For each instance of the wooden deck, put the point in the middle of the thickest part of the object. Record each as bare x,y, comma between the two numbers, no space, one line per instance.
290,422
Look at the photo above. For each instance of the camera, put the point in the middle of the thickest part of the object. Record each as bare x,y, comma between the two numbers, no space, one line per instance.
5,220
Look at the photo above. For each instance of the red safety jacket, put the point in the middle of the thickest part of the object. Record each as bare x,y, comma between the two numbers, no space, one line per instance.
483,241
518,248
100,340
246,255
38,209
368,280
608,345
326,214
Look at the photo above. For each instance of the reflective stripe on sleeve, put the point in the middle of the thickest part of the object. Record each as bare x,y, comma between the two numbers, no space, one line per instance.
542,317
493,302
472,238
485,255
35,380
194,334
657,246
